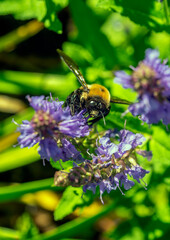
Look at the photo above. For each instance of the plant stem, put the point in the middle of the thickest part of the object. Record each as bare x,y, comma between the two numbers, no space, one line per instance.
166,10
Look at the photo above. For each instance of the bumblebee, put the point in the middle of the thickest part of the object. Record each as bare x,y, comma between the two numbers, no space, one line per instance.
94,98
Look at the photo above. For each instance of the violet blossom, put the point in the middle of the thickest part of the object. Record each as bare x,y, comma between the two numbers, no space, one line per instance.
113,166
151,80
53,127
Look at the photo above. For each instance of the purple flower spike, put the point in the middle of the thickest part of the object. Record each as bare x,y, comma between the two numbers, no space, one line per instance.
115,161
52,127
151,79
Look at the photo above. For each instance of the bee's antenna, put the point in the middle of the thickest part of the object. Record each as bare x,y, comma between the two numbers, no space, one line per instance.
125,123
103,118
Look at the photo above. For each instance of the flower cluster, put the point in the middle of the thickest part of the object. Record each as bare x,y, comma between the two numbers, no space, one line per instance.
112,165
53,127
151,80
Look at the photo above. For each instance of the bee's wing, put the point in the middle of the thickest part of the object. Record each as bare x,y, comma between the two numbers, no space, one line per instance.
119,101
74,68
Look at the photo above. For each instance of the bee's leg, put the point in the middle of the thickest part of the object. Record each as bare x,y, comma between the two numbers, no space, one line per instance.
72,109
91,122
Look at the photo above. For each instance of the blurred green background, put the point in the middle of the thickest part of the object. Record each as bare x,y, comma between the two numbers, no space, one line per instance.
102,37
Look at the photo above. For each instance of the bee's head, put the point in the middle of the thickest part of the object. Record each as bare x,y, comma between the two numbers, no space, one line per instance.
96,107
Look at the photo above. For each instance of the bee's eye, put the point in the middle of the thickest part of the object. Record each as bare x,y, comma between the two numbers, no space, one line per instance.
100,105
92,103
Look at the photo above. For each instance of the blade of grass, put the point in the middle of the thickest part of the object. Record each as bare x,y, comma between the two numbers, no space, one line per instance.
8,141
9,234
17,157
12,192
166,10
36,83
10,40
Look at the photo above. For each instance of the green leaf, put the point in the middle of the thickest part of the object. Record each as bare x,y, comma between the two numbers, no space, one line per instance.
73,50
43,10
89,32
27,227
146,13
71,199
61,165
161,136
161,203
50,19
115,119
13,6
160,158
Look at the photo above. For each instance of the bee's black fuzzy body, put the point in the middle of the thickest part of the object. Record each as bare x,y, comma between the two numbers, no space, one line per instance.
73,101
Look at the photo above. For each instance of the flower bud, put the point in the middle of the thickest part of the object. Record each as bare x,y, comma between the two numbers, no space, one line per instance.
78,176
61,179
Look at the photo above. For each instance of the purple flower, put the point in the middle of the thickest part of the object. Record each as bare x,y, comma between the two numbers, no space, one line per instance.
52,127
105,150
49,149
151,80
127,140
113,166
70,152
115,161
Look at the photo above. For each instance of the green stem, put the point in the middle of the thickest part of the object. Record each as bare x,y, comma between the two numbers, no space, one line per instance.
166,10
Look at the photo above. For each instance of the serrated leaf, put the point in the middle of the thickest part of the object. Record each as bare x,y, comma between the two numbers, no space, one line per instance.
146,13
71,199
